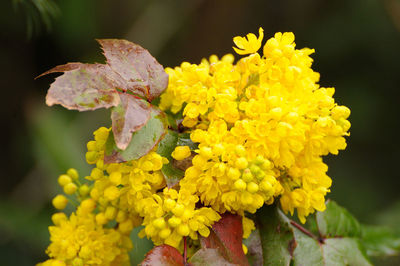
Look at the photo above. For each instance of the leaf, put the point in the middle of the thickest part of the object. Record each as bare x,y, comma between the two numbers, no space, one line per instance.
380,241
334,251
208,256
142,142
185,140
129,116
165,148
144,75
253,243
163,255
344,251
339,242
226,236
83,87
307,251
277,238
337,221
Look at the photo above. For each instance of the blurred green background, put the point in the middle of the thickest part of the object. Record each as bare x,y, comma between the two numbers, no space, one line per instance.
357,47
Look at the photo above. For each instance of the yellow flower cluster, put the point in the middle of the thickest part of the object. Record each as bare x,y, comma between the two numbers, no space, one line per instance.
125,195
262,125
172,215
80,240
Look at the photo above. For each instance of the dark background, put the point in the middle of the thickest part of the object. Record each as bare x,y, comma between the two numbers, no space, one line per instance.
357,47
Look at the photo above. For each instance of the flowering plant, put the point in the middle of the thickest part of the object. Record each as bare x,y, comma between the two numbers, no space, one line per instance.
207,158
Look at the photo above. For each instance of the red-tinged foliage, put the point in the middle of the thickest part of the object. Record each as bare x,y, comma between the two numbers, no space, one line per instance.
226,236
163,255
83,87
143,74
129,116
209,256
130,69
143,140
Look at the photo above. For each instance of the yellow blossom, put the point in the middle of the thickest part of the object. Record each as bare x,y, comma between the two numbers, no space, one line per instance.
249,45
181,152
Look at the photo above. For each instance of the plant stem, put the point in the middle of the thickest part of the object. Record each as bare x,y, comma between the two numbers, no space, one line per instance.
184,250
306,232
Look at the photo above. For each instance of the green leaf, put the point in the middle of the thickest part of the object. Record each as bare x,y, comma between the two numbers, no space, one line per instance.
143,140
330,251
337,221
307,251
277,238
380,241
165,148
344,251
184,140
208,256
339,242
226,236
163,255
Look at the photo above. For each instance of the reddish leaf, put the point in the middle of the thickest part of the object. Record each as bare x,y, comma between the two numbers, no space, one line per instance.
208,256
163,255
143,140
83,87
144,75
129,116
255,253
226,235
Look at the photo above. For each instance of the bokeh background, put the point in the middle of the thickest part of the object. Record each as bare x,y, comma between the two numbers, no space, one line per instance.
357,45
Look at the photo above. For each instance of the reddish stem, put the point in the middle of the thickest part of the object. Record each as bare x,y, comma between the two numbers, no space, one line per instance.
184,250
306,232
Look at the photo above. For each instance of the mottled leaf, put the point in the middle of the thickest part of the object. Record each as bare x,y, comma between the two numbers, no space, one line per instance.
277,238
165,148
144,75
254,248
226,236
337,221
129,116
208,256
83,87
163,255
142,142
380,241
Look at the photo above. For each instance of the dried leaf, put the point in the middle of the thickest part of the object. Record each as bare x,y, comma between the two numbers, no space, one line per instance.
129,116
226,236
144,75
142,142
255,253
208,256
163,255
83,87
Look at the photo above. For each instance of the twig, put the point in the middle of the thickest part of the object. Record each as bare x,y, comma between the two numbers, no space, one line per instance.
184,251
306,232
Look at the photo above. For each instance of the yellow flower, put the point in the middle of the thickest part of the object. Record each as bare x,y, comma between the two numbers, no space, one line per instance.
250,45
181,152
265,126
60,202
80,238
